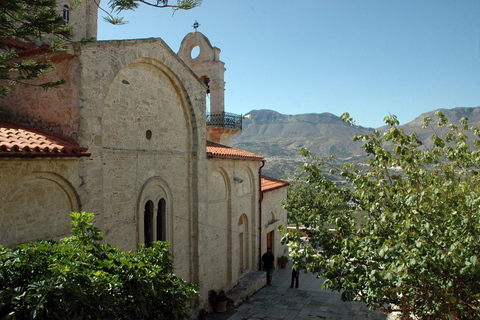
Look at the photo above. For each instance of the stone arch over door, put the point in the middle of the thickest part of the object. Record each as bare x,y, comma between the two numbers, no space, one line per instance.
38,207
154,211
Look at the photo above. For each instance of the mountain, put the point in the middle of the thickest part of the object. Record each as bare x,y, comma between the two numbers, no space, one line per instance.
279,137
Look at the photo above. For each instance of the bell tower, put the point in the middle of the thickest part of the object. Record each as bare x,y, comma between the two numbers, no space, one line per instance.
204,60
83,14
206,65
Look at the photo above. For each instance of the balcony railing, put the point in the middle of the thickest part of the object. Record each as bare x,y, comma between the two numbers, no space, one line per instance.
224,120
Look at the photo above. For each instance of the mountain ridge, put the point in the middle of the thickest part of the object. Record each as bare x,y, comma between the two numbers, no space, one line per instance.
278,137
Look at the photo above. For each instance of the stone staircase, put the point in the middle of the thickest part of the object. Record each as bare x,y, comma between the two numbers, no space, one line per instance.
247,286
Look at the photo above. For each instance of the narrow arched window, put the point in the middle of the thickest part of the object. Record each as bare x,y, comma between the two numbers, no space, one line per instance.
66,13
161,218
148,223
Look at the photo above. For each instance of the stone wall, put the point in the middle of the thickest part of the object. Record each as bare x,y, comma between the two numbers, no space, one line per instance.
141,113
274,215
55,110
37,198
230,228
143,120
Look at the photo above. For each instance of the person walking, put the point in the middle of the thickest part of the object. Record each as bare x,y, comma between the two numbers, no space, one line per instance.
267,260
295,276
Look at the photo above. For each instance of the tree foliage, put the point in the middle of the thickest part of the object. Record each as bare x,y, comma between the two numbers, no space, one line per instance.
117,6
417,247
35,22
38,23
82,278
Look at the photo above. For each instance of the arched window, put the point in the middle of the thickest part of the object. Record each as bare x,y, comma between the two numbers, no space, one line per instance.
148,223
66,13
153,214
161,213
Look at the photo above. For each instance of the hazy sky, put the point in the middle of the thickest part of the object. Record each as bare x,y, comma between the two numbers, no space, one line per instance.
368,58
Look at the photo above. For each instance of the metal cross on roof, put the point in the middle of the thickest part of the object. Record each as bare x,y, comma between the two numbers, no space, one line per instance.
196,25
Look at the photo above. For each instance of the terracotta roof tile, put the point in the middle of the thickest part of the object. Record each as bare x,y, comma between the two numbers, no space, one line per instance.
23,48
215,150
269,184
17,140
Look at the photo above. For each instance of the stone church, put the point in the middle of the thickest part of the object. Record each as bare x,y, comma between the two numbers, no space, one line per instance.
129,138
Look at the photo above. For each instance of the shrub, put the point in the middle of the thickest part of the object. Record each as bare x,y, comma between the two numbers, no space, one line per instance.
82,278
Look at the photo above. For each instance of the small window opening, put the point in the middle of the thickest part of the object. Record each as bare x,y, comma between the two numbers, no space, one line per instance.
66,13
195,52
148,134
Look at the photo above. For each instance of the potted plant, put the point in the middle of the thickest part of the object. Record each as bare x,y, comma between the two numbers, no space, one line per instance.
218,301
221,302
283,260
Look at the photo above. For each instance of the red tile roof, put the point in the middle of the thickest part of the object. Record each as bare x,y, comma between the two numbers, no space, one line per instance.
215,150
23,48
270,184
17,140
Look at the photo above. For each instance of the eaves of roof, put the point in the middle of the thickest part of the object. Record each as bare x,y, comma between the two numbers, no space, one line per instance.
27,49
23,48
20,141
270,184
215,150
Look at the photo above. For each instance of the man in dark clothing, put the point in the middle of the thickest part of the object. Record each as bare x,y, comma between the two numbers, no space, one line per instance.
295,275
268,260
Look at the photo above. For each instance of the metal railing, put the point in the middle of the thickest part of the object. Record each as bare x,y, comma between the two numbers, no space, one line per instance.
224,120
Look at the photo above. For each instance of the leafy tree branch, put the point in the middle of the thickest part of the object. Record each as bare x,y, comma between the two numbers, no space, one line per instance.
38,23
403,235
35,22
117,6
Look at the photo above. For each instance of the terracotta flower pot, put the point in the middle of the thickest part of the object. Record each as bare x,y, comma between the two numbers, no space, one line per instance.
221,306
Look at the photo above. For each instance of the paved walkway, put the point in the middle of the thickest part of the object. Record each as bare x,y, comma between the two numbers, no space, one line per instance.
279,301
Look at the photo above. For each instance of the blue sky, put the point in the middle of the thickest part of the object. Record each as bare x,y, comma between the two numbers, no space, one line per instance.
368,58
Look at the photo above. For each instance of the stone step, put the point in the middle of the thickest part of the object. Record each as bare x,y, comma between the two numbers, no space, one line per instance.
247,286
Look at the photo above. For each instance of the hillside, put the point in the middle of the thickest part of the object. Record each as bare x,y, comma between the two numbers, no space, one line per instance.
279,137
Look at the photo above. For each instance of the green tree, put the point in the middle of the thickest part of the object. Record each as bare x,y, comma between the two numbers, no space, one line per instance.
416,247
82,278
117,6
35,22
39,24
